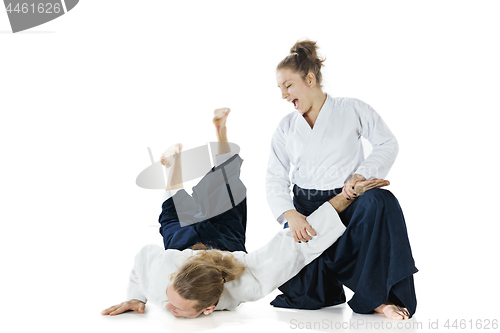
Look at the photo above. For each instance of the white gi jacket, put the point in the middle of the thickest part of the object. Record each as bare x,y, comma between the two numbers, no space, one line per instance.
266,269
326,156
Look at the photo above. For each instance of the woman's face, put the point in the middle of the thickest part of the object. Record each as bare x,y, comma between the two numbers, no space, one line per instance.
295,89
181,307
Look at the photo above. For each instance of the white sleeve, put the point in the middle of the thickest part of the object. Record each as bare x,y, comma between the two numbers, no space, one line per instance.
282,258
139,279
384,143
277,177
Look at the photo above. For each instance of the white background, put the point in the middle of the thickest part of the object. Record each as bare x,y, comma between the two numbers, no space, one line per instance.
83,96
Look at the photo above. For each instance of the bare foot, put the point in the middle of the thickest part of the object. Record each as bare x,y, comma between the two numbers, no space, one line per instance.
169,155
393,311
365,185
220,117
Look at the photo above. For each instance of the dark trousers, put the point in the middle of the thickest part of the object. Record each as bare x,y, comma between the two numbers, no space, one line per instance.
372,258
183,221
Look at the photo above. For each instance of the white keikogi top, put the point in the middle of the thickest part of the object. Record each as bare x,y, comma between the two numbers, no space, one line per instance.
266,268
326,156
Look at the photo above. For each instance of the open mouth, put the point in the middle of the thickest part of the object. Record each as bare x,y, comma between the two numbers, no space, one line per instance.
296,103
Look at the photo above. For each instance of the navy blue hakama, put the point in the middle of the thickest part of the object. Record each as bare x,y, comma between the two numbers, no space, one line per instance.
182,218
372,258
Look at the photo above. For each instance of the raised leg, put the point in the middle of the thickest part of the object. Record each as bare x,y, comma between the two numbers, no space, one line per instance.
171,158
219,120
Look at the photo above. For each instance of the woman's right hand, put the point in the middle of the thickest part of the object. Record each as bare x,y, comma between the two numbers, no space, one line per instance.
133,304
299,226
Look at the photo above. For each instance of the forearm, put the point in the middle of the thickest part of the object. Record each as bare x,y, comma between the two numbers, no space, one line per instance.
223,146
340,203
174,181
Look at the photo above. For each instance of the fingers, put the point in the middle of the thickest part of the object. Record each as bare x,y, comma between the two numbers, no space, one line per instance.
112,310
363,186
304,236
125,306
345,194
300,234
376,183
301,230
294,234
311,231
109,310
119,310
349,189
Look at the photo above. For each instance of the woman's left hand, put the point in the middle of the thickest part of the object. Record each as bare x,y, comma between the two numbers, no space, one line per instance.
348,190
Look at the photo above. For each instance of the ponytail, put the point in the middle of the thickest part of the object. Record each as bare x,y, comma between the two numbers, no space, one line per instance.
202,276
303,59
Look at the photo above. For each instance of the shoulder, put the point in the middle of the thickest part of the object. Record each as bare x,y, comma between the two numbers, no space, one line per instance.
153,252
239,255
355,105
348,102
150,248
284,126
287,121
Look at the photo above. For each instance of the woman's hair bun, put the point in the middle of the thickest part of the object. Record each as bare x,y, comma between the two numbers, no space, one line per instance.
304,59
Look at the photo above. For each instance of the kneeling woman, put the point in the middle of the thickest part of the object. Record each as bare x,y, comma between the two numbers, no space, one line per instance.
205,266
321,140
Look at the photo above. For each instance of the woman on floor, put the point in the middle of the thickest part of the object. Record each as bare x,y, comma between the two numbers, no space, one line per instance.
322,140
204,266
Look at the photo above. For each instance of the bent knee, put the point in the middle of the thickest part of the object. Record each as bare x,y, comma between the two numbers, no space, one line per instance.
376,194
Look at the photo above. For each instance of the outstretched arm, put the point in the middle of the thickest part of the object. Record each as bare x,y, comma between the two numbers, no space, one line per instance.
282,258
219,120
138,282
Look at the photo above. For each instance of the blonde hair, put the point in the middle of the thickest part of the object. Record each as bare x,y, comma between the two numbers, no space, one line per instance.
303,59
202,276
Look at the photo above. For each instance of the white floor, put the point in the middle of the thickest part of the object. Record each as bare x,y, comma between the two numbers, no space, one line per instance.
260,315
71,286
65,262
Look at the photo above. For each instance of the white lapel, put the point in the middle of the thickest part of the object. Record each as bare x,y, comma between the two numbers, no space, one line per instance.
317,133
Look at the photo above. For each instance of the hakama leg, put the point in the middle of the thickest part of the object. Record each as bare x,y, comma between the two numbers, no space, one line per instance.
373,258
182,218
315,286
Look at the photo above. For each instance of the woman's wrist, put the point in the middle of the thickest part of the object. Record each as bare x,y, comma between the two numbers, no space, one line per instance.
358,177
289,212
